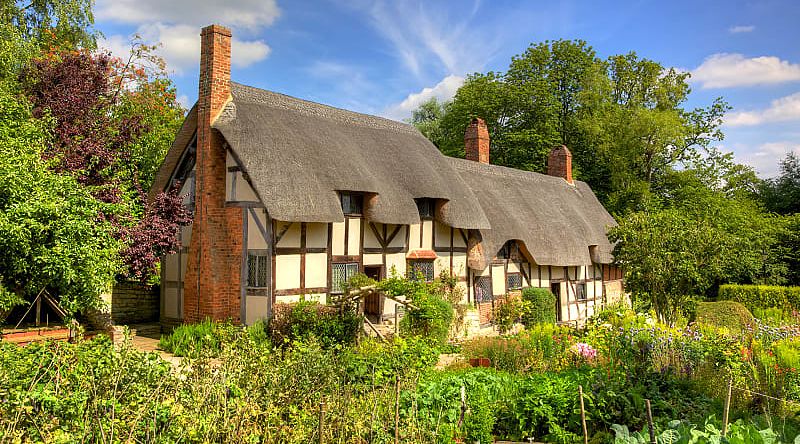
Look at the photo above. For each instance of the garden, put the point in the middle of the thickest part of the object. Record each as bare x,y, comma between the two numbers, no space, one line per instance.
308,377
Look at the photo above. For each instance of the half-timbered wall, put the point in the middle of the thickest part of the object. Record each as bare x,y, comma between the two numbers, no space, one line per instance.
173,266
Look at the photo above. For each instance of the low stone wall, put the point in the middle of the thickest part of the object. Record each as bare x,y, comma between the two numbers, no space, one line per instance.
134,303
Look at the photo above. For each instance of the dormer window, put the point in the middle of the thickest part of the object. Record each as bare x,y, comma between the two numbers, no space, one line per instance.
509,251
352,203
426,208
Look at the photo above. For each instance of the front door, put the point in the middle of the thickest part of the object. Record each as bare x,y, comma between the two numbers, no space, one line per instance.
373,304
555,288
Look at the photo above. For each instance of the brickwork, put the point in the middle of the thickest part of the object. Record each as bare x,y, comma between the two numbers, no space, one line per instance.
476,141
134,303
212,281
559,163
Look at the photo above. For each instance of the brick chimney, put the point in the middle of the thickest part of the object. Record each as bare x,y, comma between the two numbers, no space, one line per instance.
212,282
559,163
476,141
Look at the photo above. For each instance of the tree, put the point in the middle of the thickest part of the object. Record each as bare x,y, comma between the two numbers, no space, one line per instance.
428,119
54,234
111,122
62,23
707,239
623,118
782,194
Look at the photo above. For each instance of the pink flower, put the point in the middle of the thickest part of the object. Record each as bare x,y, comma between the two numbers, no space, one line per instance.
584,350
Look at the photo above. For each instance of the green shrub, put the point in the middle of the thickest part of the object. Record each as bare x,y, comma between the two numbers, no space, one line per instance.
728,314
762,296
304,320
542,306
431,318
510,311
205,339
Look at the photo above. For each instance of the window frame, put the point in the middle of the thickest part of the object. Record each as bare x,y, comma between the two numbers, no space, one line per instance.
262,256
348,268
412,274
349,196
581,291
430,204
518,275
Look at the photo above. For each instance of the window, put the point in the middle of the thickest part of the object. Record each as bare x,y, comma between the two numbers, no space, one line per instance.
340,274
352,203
421,270
513,281
258,266
426,208
509,250
580,290
483,289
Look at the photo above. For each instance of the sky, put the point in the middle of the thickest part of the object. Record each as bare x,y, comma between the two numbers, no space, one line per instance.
387,57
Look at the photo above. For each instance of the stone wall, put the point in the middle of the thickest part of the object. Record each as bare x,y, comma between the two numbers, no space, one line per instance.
134,303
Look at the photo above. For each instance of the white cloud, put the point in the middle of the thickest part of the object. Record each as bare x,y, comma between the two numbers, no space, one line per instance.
442,91
175,25
729,70
427,40
179,45
765,158
780,110
243,14
741,29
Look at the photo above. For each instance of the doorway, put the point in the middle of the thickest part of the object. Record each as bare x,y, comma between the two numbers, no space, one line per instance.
373,303
555,288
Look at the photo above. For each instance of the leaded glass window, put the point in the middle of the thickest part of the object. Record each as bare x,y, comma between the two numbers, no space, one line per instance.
483,289
421,270
426,208
340,274
258,266
580,290
513,281
352,203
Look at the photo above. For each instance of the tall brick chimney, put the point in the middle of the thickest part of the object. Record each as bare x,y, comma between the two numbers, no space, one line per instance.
476,141
559,163
212,282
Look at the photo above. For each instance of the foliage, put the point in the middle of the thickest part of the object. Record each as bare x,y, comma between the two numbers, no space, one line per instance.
762,296
510,311
624,118
54,235
204,339
304,320
543,347
66,23
782,194
676,431
728,314
542,306
671,255
433,313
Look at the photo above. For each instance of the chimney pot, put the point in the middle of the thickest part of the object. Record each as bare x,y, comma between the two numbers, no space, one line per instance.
476,141
559,163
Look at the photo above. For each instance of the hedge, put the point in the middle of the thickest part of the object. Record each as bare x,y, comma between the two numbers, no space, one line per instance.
543,306
729,314
762,296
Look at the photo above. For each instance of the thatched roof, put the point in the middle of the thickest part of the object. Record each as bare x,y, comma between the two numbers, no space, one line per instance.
299,154
558,223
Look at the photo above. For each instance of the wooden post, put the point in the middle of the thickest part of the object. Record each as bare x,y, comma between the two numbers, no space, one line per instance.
38,310
321,420
396,319
650,422
583,417
397,409
727,408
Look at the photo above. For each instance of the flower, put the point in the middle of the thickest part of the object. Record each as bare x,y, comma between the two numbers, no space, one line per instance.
584,350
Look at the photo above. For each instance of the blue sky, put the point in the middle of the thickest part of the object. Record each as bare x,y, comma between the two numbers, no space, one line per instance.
386,57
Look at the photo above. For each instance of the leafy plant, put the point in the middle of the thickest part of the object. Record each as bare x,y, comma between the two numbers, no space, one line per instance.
542,308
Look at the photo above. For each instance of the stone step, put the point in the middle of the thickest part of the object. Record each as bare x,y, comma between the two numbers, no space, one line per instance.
149,330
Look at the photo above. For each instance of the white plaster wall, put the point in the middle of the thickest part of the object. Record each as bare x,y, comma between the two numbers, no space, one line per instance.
373,259
354,237
399,239
498,281
427,235
255,309
337,239
398,261
458,239
413,237
370,241
290,239
287,271
316,270
316,235
255,240
171,309
442,235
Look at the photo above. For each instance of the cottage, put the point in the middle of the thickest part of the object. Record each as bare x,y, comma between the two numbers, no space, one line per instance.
291,198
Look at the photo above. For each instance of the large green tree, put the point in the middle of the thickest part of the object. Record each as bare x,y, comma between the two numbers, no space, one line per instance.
624,118
781,194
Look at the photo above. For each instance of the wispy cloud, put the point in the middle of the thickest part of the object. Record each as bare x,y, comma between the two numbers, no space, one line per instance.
175,26
442,91
765,158
731,70
427,39
740,29
780,110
